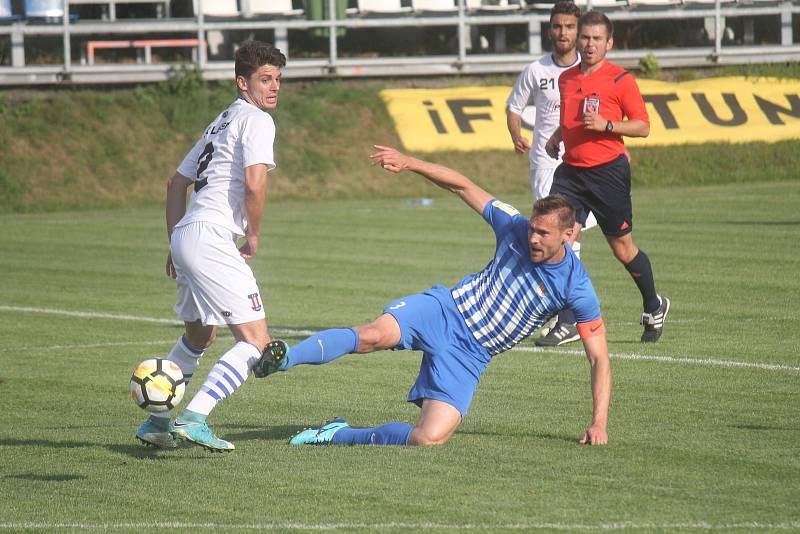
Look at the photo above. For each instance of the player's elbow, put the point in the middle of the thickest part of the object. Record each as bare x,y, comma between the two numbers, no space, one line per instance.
177,183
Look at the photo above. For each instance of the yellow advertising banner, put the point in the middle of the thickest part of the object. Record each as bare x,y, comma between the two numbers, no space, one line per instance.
731,109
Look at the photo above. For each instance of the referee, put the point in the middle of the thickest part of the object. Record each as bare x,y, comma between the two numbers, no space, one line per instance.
600,103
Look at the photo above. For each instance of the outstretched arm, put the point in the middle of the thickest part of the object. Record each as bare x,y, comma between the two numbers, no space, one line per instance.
597,352
394,161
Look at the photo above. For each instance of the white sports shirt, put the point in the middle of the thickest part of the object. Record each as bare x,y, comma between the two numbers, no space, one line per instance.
239,137
537,85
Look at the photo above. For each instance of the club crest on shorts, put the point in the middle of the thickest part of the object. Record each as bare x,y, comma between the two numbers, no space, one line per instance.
255,301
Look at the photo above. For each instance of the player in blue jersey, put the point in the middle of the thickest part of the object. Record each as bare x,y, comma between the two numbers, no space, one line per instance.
533,274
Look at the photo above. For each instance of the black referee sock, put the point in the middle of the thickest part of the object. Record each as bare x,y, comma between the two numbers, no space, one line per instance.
642,273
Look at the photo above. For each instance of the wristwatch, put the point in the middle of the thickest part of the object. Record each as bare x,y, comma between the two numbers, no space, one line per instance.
609,126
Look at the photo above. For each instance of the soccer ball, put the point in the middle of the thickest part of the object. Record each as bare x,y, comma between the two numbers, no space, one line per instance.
157,385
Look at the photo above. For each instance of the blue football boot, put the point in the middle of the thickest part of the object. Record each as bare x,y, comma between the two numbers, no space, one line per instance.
199,433
156,431
319,436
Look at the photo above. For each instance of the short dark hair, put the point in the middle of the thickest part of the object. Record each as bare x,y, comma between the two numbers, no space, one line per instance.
253,54
565,7
559,205
595,18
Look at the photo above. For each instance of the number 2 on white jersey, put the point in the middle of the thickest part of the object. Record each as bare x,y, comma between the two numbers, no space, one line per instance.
202,165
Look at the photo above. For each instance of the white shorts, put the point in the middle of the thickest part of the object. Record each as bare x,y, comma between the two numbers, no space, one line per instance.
542,181
215,285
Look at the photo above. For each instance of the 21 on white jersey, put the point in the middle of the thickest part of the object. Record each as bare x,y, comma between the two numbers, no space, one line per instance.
240,136
537,85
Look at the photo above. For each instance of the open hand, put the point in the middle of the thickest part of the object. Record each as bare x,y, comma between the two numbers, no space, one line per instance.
594,435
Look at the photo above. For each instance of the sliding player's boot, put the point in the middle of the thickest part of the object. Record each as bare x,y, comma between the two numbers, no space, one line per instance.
272,360
319,436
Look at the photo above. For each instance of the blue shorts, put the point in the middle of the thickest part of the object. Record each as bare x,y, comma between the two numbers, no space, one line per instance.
452,359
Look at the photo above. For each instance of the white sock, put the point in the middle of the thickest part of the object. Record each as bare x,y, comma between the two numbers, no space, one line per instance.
227,375
576,248
187,359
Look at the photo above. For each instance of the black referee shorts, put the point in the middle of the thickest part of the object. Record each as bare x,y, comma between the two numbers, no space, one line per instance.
604,190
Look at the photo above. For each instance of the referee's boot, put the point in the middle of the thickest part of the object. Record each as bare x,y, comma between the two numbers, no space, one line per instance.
272,360
654,322
560,334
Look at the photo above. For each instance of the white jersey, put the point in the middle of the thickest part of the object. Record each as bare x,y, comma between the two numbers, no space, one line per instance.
537,85
239,137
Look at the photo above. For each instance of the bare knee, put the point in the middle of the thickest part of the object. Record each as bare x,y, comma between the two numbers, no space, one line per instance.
369,338
421,436
382,333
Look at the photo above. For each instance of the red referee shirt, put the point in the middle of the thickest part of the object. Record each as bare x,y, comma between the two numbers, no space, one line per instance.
619,96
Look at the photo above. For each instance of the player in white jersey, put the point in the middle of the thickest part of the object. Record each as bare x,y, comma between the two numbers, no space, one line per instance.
532,274
227,170
537,86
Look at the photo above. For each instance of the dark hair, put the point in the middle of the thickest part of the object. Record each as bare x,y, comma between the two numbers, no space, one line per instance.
559,205
565,7
595,18
253,54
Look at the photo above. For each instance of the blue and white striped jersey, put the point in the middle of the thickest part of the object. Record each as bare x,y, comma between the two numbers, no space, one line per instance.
512,296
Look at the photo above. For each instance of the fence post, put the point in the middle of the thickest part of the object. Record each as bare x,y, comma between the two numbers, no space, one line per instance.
535,37
67,47
17,46
718,29
463,35
332,42
786,24
201,37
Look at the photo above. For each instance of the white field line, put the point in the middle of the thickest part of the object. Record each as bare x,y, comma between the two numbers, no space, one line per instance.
681,360
708,362
701,525
121,317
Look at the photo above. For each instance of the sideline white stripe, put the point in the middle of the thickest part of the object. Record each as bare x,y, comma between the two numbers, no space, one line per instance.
708,362
753,525
141,319
121,317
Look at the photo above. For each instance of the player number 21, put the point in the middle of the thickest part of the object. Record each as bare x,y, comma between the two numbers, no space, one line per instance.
544,82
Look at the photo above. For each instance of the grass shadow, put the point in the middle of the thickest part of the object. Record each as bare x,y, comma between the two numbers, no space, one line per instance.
537,435
133,450
275,433
45,478
764,223
758,427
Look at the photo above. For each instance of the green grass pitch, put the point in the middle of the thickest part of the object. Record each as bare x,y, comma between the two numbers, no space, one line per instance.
704,431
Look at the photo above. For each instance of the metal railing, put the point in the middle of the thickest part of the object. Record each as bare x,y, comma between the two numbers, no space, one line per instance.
19,73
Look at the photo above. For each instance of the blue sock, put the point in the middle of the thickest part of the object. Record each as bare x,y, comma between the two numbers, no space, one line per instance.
386,434
323,347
